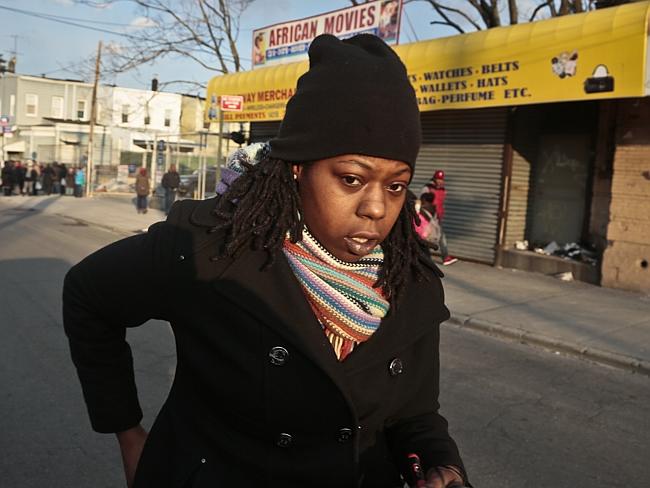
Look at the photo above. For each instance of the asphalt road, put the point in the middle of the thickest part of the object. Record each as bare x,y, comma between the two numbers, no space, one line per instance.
523,417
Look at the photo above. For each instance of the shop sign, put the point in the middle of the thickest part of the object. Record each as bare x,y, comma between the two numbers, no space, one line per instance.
231,103
289,41
539,62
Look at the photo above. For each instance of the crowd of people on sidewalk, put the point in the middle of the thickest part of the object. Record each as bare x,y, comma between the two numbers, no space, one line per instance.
33,178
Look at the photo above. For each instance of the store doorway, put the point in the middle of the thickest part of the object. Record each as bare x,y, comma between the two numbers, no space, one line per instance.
558,200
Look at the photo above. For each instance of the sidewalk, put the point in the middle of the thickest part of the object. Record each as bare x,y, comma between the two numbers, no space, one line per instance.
116,213
601,324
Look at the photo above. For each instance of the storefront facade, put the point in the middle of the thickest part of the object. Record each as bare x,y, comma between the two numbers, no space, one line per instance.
527,122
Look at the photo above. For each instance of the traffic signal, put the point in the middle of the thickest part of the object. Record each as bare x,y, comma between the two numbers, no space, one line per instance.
3,65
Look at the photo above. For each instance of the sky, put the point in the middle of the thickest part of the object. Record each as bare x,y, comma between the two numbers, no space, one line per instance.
56,49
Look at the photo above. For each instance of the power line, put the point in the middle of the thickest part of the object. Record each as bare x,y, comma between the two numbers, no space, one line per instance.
78,19
61,20
409,23
66,21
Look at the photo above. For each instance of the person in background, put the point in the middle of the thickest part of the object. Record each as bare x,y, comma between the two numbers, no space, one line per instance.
37,172
170,182
436,187
7,178
29,179
429,228
142,190
48,179
79,182
69,182
19,177
56,178
63,172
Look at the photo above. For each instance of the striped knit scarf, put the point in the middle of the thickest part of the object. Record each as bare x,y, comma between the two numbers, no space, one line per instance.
341,294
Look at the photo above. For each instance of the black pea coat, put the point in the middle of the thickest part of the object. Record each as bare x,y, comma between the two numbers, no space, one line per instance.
258,398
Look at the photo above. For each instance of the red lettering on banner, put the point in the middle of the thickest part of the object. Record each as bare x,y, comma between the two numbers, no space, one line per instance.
329,25
362,18
314,29
371,15
274,95
293,33
339,23
351,20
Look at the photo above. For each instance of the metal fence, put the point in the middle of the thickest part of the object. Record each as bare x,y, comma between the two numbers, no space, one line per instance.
194,155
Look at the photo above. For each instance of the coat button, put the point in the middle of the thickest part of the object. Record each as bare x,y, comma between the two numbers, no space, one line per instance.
396,367
284,440
278,355
345,434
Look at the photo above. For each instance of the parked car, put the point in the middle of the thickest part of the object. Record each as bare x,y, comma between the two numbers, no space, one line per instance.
189,183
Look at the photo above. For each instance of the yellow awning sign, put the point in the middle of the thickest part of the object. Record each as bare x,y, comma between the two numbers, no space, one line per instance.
596,55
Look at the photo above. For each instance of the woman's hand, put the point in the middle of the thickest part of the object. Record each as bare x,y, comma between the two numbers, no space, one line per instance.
131,444
444,477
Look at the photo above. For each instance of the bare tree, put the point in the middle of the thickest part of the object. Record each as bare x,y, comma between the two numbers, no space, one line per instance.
204,31
469,15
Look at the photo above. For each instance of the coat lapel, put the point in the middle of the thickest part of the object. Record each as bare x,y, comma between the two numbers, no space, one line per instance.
274,296
419,310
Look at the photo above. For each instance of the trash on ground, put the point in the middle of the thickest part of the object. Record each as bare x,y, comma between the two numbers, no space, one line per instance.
521,245
572,251
551,247
566,276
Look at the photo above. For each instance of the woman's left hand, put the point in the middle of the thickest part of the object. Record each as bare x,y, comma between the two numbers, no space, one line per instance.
443,477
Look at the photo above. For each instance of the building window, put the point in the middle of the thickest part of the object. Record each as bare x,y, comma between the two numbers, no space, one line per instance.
56,111
125,113
31,104
12,105
168,118
81,109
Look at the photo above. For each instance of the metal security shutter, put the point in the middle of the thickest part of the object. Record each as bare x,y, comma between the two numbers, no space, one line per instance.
263,131
468,146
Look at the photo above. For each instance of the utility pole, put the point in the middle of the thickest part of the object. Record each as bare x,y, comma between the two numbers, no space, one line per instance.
93,113
3,69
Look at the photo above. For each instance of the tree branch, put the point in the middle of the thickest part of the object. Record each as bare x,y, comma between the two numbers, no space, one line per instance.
548,3
513,12
203,31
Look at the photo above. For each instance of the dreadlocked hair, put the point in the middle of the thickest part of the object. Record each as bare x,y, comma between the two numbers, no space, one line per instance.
263,204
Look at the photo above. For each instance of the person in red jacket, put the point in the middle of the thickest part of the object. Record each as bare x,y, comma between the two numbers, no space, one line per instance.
436,187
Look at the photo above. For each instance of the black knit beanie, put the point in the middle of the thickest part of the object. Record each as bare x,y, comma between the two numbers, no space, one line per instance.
355,99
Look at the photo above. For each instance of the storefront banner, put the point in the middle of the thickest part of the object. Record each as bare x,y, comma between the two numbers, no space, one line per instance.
289,41
597,55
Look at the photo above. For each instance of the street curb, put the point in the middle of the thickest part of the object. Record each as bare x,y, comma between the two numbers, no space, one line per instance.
597,355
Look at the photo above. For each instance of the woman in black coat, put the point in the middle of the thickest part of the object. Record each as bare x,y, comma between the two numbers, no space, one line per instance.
305,310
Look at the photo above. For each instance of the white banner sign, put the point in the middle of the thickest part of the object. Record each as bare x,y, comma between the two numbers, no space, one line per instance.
289,41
